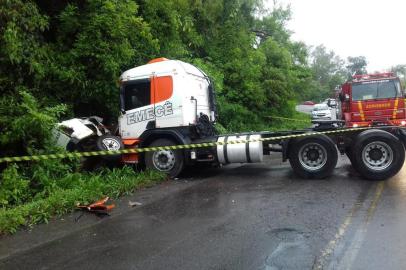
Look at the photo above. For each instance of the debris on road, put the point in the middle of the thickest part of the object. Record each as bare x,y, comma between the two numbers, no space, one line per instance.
132,204
100,207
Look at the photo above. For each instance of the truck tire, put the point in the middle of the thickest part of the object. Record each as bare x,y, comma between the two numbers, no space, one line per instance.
378,155
313,157
109,142
170,162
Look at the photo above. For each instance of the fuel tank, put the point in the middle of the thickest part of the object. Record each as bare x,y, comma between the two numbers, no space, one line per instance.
240,152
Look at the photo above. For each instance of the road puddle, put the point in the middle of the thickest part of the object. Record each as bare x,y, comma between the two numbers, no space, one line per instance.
292,252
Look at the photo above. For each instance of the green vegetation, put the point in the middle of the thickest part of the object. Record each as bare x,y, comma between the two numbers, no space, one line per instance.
33,192
296,121
72,52
400,70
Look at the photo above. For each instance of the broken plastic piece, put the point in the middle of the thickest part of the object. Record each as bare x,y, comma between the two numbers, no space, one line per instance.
132,204
99,207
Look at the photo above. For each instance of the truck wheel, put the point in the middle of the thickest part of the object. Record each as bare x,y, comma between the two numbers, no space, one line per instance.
378,155
313,157
170,162
109,142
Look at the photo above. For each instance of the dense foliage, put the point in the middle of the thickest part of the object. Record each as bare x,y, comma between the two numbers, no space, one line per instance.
72,52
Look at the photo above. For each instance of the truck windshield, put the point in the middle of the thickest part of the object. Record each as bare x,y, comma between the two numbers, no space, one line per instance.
375,90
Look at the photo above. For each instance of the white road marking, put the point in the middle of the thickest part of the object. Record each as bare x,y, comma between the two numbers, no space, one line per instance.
346,261
352,251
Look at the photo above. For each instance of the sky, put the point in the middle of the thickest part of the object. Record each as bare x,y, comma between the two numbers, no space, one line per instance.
375,29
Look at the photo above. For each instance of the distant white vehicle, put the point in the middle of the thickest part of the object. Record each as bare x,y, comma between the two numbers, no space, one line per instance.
331,102
321,111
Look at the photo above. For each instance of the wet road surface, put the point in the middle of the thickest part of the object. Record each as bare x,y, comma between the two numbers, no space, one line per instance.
254,216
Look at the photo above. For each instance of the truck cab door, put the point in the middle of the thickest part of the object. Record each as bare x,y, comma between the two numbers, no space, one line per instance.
136,107
146,104
167,107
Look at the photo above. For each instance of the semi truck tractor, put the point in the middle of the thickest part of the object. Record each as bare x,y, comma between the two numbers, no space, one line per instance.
172,103
372,99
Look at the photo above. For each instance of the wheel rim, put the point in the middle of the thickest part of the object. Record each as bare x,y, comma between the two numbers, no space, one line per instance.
111,144
164,160
312,156
377,156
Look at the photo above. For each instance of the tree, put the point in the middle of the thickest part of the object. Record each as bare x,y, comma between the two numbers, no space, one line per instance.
357,65
400,70
325,64
327,70
73,52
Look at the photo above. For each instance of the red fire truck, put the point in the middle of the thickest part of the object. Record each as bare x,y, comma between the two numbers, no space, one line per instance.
373,99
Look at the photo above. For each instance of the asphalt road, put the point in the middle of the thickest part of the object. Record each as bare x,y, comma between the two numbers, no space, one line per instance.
256,216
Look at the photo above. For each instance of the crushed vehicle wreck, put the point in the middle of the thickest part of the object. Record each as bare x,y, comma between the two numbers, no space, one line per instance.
88,134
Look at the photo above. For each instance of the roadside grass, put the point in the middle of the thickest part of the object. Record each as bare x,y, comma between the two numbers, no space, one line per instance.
70,189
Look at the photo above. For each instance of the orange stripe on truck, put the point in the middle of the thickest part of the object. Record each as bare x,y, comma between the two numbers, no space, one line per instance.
361,112
395,108
161,88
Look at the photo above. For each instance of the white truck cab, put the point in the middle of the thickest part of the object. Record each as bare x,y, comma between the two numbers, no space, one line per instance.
163,94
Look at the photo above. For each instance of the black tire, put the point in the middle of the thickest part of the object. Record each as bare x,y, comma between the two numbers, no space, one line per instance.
320,150
171,161
109,142
386,160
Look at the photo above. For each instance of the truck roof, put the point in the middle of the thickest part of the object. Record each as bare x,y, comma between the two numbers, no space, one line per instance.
374,77
161,66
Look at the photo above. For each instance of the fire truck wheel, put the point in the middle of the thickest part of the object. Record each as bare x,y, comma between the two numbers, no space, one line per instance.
170,162
378,155
313,157
109,142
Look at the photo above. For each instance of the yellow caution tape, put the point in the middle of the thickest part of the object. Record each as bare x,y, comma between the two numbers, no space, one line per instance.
171,147
290,119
